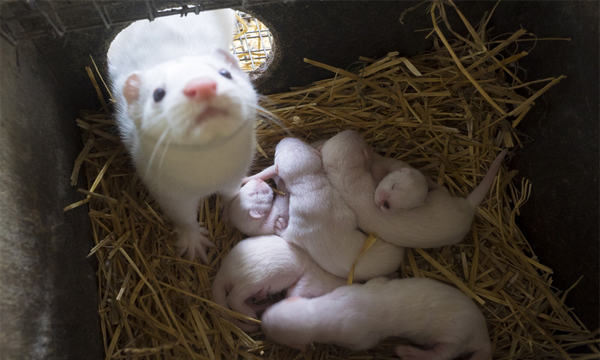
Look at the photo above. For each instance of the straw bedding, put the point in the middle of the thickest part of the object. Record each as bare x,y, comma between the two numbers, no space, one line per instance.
447,112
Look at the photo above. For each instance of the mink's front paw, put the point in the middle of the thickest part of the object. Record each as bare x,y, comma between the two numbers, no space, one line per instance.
280,225
193,243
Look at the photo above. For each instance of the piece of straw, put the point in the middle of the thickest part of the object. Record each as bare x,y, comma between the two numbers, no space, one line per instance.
429,111
369,241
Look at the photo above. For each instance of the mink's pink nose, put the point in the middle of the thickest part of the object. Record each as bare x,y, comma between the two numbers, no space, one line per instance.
381,198
201,89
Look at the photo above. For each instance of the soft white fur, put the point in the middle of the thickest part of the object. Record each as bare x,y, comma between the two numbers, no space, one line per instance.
358,317
381,166
320,222
441,220
402,189
263,265
180,159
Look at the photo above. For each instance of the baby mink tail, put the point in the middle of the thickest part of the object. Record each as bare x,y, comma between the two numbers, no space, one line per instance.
476,197
220,297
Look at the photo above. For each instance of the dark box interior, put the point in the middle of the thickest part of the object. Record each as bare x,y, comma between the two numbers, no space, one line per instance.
48,298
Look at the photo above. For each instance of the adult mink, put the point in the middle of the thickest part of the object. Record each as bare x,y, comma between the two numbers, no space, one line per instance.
186,114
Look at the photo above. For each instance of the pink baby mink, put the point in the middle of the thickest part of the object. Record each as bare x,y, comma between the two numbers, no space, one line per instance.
320,222
402,189
441,220
254,211
424,311
263,265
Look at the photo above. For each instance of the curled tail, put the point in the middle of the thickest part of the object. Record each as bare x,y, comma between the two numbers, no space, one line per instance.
219,296
476,197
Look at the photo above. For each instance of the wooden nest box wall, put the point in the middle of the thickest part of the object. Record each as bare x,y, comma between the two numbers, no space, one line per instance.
49,300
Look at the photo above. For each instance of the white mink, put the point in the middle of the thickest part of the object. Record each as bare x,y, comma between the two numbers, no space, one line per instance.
264,265
254,210
402,189
441,220
399,185
424,311
320,222
186,114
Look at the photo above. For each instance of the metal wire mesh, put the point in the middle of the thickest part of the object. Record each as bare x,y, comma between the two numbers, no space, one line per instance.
55,18
252,42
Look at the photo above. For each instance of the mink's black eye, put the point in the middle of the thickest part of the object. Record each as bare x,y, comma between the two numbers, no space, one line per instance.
225,73
159,94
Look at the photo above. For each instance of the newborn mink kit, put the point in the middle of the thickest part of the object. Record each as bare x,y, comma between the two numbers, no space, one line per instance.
45,87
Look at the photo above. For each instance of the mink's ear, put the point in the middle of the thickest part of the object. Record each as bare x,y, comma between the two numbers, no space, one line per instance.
228,58
256,214
131,89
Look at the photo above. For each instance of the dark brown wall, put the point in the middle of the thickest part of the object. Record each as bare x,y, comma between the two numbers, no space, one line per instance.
48,296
